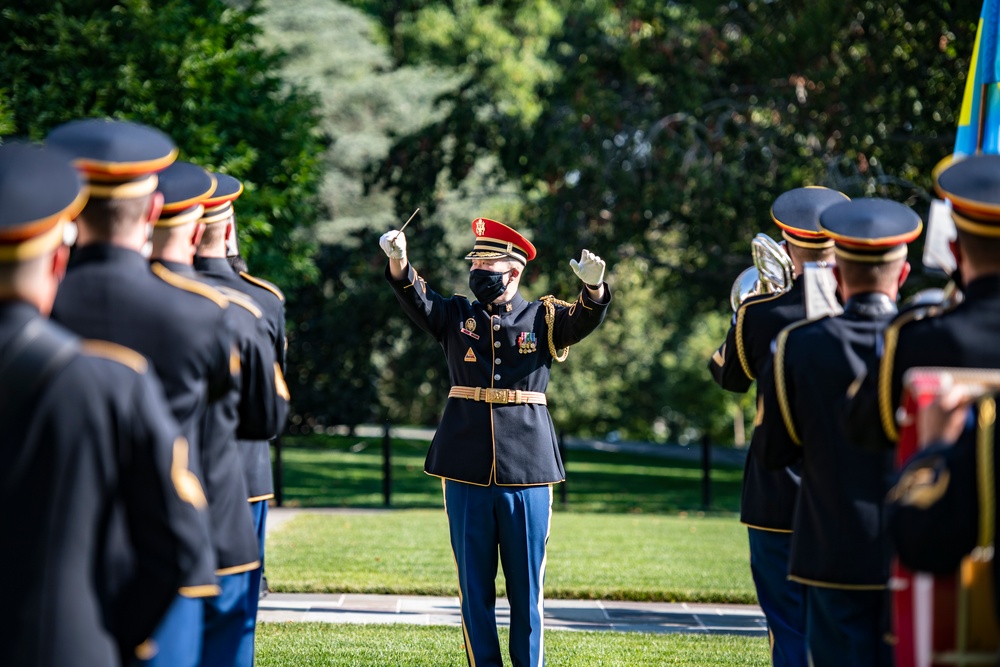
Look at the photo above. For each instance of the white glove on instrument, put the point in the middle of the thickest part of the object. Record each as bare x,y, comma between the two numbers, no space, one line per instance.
393,244
590,268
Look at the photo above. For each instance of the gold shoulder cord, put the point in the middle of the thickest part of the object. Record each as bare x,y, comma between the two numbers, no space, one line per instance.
550,319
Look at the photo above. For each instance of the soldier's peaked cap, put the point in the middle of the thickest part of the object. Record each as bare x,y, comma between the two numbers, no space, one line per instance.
972,185
219,206
119,158
39,190
797,213
495,240
871,230
185,186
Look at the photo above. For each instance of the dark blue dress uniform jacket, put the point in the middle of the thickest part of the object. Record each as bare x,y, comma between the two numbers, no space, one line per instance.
839,535
496,346
98,435
962,336
253,411
255,449
769,496
112,293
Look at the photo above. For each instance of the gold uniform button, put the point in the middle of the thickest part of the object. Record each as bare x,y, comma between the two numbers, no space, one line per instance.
496,344
496,327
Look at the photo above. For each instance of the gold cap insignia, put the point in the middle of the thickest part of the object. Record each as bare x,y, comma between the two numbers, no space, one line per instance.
480,227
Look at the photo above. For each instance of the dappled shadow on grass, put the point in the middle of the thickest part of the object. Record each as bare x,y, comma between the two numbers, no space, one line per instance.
340,471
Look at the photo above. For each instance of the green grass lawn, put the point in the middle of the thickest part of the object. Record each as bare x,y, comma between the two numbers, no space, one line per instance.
602,556
338,471
322,645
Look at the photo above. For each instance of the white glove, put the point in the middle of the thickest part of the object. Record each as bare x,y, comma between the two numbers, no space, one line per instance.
393,244
590,268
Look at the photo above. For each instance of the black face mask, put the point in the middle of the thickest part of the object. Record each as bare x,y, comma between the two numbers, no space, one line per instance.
487,285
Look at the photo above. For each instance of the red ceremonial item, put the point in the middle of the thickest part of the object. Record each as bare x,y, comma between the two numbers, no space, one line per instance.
940,620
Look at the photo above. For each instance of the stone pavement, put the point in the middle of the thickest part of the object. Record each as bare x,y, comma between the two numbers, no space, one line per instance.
659,617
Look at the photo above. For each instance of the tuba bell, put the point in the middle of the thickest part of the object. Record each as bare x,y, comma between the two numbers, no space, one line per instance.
771,272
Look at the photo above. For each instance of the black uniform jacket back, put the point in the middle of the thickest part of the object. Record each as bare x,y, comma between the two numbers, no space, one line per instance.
963,336
254,448
112,293
839,535
236,544
503,346
97,435
769,496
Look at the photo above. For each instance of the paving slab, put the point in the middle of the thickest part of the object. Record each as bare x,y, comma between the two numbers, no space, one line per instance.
654,617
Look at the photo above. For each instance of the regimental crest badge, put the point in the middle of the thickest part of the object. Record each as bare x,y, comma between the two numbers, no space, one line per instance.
470,324
527,342
480,227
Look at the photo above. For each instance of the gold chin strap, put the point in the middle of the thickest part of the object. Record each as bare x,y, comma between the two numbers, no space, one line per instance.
550,319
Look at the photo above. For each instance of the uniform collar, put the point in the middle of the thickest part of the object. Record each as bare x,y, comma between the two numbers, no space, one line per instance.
106,252
175,267
511,306
212,265
983,287
870,305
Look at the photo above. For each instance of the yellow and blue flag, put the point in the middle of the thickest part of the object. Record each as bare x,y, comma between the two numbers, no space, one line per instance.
979,122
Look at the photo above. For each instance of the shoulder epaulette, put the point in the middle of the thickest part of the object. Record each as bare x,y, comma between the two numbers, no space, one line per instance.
125,356
886,410
259,282
189,285
240,299
741,352
779,379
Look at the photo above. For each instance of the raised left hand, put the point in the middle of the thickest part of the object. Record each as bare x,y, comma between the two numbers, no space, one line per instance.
590,268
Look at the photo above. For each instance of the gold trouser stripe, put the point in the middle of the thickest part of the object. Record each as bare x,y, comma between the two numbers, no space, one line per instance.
454,558
515,396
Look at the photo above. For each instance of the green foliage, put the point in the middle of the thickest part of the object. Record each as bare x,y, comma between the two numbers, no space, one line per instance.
193,69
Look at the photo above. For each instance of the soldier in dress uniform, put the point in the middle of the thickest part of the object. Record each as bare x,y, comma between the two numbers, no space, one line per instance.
253,411
961,333
212,265
839,549
112,293
769,496
495,448
84,428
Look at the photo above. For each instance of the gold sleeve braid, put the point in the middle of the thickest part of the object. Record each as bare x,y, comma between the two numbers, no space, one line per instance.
550,320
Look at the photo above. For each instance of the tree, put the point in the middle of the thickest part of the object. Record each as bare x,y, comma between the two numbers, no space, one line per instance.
193,69
660,133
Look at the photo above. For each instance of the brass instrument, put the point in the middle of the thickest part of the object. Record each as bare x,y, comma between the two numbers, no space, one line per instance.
771,272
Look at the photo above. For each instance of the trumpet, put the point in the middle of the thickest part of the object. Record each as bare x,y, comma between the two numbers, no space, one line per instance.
771,272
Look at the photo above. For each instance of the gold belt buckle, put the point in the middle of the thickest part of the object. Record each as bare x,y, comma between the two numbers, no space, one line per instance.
497,396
